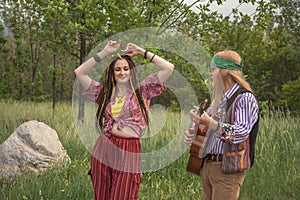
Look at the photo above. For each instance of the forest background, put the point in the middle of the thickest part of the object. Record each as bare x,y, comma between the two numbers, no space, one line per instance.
42,42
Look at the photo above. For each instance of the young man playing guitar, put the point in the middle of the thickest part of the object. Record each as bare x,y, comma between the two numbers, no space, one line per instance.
232,122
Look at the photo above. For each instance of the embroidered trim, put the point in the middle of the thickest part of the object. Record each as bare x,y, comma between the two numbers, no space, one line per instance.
228,134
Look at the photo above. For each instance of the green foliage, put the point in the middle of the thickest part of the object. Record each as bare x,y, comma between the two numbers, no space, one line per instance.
174,106
61,33
290,94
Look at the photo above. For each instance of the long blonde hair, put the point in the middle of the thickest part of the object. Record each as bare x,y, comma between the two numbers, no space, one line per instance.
226,74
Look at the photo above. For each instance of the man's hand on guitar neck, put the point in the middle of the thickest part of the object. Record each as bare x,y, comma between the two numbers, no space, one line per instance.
203,120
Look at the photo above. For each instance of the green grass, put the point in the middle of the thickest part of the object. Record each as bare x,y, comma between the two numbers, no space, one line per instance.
275,174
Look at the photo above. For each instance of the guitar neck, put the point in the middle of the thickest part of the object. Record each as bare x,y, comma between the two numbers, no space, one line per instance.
202,130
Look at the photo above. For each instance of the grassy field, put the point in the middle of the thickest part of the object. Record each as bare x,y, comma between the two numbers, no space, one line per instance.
275,175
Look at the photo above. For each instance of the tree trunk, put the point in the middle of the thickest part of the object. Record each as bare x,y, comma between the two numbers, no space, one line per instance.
82,57
151,13
54,84
61,87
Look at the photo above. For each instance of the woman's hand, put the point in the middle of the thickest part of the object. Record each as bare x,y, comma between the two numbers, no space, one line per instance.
112,46
133,50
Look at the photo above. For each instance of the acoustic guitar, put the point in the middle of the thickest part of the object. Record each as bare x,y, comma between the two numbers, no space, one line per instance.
195,162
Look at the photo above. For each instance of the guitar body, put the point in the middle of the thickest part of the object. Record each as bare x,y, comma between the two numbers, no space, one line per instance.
195,161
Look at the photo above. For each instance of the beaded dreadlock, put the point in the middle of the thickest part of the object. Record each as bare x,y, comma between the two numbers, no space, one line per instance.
109,84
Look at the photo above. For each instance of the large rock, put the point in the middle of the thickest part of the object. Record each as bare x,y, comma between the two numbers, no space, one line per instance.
33,147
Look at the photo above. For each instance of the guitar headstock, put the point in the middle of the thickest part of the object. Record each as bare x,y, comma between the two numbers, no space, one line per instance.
202,107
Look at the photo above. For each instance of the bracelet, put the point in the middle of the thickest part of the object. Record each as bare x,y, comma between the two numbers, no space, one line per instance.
218,126
145,54
228,133
97,58
152,57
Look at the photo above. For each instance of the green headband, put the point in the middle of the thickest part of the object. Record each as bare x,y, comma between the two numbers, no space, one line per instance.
225,64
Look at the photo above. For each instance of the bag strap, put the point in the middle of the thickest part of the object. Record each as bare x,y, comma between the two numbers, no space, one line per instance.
232,108
234,96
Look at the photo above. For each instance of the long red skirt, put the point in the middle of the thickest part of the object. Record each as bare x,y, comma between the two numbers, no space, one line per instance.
115,168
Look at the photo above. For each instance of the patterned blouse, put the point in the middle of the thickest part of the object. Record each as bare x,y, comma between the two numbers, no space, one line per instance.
130,114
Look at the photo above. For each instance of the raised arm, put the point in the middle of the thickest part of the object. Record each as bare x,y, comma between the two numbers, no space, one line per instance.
83,70
166,68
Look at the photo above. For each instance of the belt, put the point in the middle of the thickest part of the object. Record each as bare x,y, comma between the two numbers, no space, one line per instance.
214,157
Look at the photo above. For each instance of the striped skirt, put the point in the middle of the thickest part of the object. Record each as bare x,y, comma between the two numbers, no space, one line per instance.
115,168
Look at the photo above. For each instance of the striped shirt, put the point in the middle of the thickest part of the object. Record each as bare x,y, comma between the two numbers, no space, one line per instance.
246,115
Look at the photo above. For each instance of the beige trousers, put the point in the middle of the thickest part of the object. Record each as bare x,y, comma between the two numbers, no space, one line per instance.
219,186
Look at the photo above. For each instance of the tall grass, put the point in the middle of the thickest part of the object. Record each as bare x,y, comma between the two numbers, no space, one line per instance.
275,174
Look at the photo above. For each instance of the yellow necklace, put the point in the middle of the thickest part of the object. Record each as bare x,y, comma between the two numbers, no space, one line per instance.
117,106
120,100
